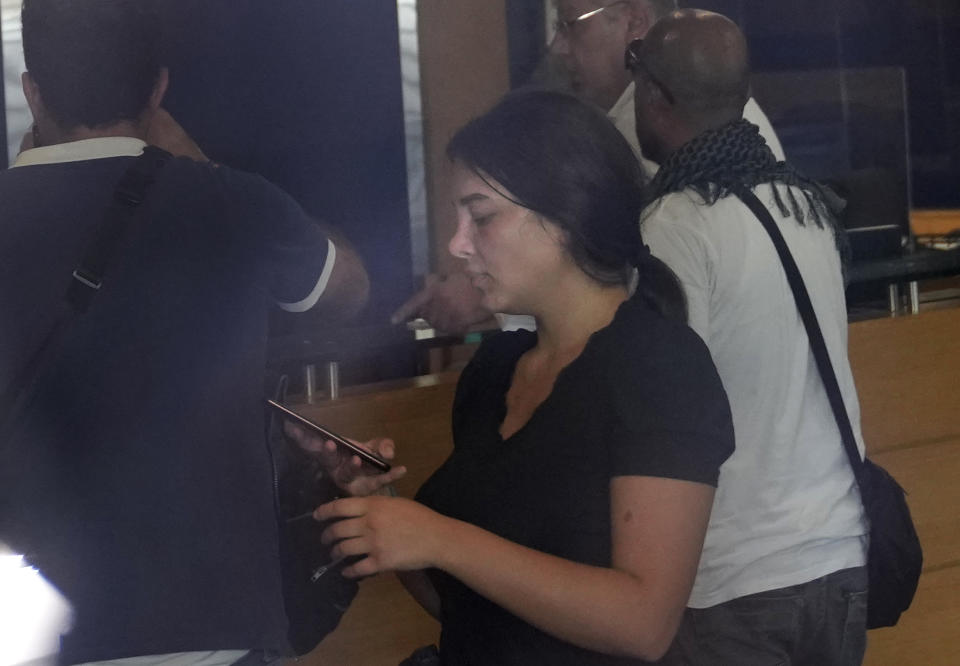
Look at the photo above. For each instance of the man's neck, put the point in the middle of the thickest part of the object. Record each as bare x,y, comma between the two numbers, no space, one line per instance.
54,135
673,138
682,133
581,308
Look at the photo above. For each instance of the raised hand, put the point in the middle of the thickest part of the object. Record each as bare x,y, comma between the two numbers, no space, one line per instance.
450,304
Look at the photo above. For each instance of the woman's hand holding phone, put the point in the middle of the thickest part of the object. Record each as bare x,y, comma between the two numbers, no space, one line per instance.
348,472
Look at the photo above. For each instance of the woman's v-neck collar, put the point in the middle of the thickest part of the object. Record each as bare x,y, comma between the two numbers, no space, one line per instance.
529,341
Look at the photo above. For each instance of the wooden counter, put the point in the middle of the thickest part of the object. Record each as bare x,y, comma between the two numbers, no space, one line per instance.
934,221
907,371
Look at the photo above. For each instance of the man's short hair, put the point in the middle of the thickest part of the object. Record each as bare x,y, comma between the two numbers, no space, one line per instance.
94,61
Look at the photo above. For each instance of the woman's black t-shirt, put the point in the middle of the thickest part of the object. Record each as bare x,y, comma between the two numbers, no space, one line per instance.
643,398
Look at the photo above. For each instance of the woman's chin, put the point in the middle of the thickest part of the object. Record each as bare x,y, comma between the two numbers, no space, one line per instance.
496,300
491,304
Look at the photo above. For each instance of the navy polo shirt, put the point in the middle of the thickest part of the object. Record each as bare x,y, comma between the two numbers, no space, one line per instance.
138,480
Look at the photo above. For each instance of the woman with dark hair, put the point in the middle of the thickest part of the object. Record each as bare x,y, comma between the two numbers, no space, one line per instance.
567,524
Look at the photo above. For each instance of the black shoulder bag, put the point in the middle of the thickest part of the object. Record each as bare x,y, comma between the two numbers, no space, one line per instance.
86,279
895,558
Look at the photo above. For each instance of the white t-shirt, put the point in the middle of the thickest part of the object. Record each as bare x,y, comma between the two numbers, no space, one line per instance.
787,509
622,115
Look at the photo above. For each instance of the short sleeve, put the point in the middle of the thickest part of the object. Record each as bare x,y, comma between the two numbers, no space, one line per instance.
300,257
671,417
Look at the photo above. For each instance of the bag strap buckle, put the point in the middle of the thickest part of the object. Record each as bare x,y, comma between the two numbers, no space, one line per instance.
87,279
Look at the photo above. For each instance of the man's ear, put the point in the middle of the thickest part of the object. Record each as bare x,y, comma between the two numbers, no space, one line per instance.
32,92
159,89
641,20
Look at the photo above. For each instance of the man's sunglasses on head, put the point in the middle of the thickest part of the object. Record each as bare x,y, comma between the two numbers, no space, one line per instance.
633,61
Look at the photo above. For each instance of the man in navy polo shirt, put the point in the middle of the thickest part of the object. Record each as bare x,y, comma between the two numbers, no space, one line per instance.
138,477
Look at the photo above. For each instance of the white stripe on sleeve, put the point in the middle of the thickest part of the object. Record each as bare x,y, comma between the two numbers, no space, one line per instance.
319,288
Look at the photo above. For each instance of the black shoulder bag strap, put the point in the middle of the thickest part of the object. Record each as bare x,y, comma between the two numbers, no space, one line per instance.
87,277
815,335
895,556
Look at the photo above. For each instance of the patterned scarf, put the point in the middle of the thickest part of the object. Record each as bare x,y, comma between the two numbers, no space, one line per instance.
719,161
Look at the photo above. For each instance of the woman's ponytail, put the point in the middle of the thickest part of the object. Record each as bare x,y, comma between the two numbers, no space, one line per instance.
659,286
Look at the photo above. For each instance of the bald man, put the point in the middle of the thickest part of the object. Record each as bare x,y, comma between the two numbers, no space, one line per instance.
589,42
782,577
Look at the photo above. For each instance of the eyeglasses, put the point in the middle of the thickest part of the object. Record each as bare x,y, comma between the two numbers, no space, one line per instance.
633,61
565,27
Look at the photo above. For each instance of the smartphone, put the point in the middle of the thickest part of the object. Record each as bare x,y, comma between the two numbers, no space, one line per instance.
363,454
